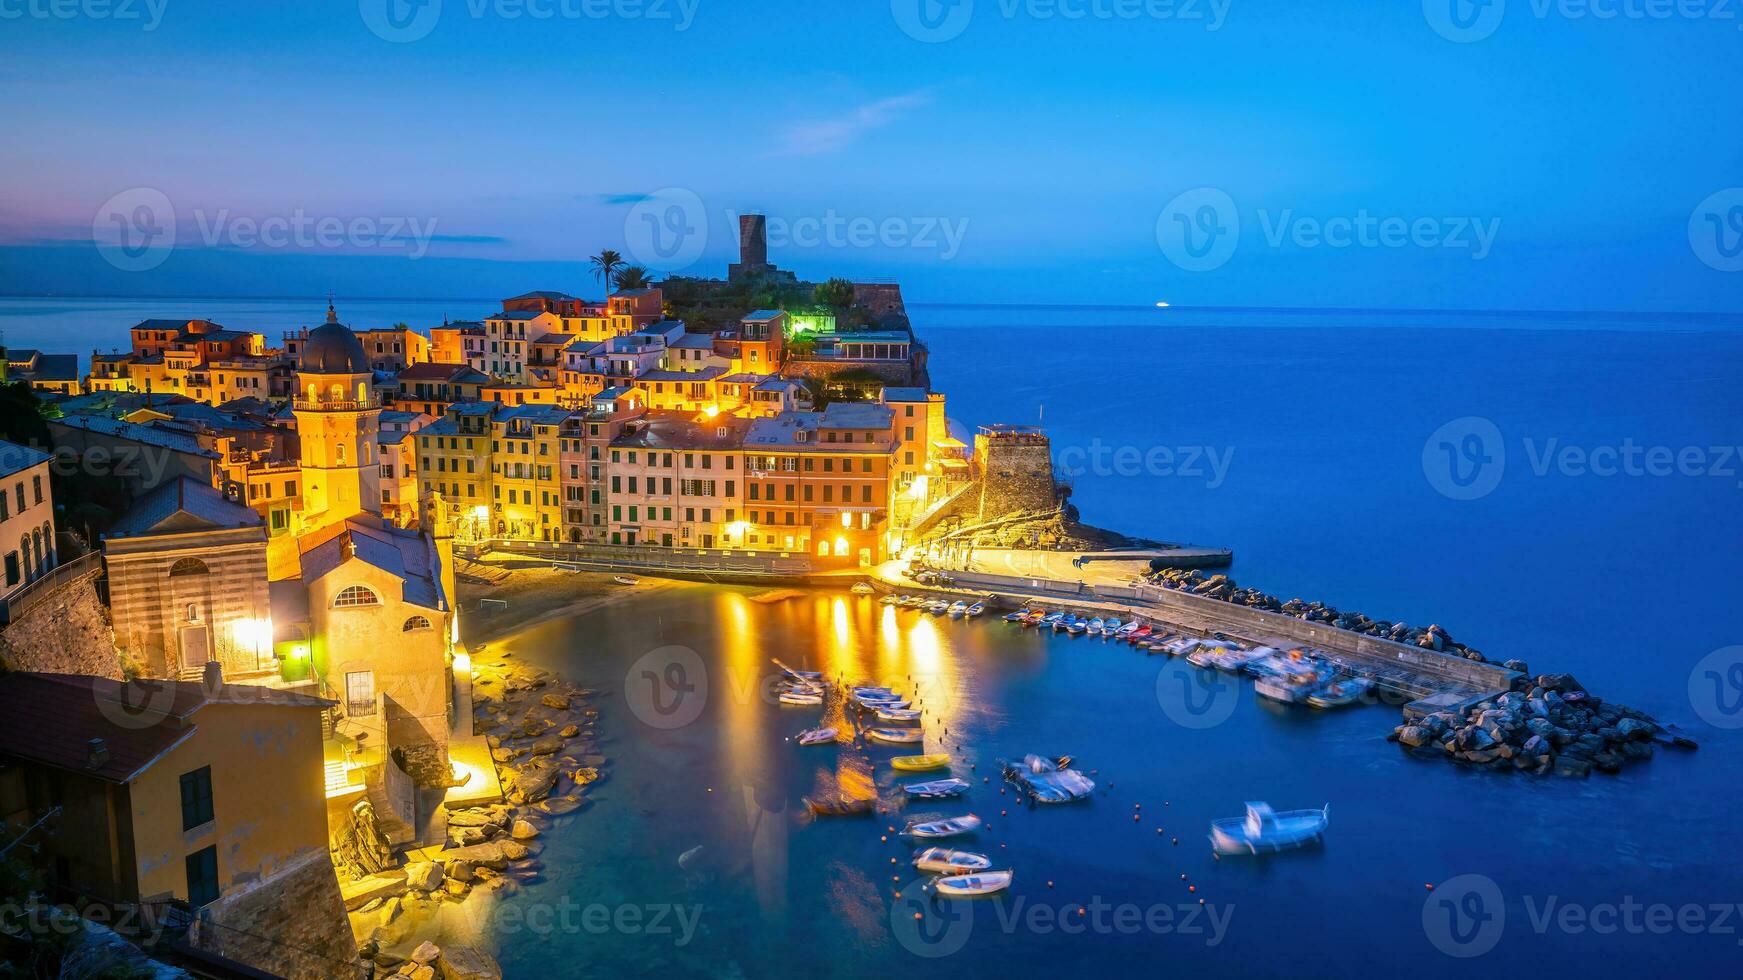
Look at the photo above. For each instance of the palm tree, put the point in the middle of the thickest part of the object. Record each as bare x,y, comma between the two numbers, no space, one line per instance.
605,264
633,277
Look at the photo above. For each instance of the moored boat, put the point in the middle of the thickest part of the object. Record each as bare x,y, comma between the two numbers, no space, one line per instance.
862,588
817,736
898,714
896,736
920,763
801,698
975,610
626,580
947,827
1264,829
889,599
944,861
1018,616
957,609
937,788
979,883
1340,692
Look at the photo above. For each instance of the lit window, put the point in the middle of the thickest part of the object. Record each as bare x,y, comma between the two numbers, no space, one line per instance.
356,595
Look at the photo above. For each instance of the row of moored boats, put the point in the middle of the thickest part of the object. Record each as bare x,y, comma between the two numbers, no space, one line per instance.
960,609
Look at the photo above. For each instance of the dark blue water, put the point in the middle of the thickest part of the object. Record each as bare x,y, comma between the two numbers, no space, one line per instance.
1628,581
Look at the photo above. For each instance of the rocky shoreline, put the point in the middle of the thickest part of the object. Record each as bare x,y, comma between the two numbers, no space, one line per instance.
542,734
1547,724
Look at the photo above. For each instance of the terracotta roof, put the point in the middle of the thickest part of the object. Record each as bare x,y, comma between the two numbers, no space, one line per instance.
51,719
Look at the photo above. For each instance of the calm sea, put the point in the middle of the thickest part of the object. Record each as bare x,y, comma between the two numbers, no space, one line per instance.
1502,475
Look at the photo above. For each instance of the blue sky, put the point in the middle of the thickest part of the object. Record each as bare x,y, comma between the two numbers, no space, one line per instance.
1561,160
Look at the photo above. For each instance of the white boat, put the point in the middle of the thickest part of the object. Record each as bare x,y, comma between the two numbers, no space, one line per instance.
898,714
804,675
626,580
979,883
896,736
948,827
1110,627
862,588
860,689
1128,629
957,609
937,788
889,599
1338,693
908,601
1048,780
975,610
1095,626
944,861
938,607
1263,829
801,698
817,736
1293,679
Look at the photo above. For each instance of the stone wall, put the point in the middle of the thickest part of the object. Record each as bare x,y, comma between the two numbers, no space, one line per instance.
899,373
1016,474
292,924
65,632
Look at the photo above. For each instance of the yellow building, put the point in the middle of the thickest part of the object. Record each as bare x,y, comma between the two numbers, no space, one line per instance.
526,496
338,418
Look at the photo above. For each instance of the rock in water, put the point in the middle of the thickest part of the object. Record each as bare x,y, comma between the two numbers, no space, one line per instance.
425,876
468,963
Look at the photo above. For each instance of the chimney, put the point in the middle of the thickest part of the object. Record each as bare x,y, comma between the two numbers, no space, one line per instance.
96,753
213,678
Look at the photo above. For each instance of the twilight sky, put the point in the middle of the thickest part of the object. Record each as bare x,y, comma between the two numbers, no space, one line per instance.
1522,154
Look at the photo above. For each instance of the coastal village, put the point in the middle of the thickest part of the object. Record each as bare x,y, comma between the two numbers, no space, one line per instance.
234,667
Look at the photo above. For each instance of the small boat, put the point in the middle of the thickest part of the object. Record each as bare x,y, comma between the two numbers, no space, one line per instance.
817,736
862,588
1035,618
920,763
1263,829
806,675
944,861
801,698
896,736
1052,619
938,607
867,689
881,703
1049,780
909,601
1095,626
1110,627
1340,692
1019,616
937,788
838,806
626,580
1142,633
898,714
980,883
975,610
948,827
1293,678
957,609
1128,630
1078,626
889,599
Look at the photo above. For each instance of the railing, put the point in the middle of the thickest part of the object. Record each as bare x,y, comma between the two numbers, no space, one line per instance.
333,405
657,558
31,594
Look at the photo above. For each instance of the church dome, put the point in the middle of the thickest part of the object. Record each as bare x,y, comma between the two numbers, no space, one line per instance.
333,349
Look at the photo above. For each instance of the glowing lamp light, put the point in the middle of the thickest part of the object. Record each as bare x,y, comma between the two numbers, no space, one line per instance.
463,663
846,519
300,651
841,546
711,411
253,634
480,512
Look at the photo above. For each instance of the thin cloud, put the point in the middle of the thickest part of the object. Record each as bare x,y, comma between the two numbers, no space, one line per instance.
830,135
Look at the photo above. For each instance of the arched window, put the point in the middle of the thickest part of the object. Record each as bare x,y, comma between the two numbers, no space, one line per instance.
356,595
188,566
416,623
